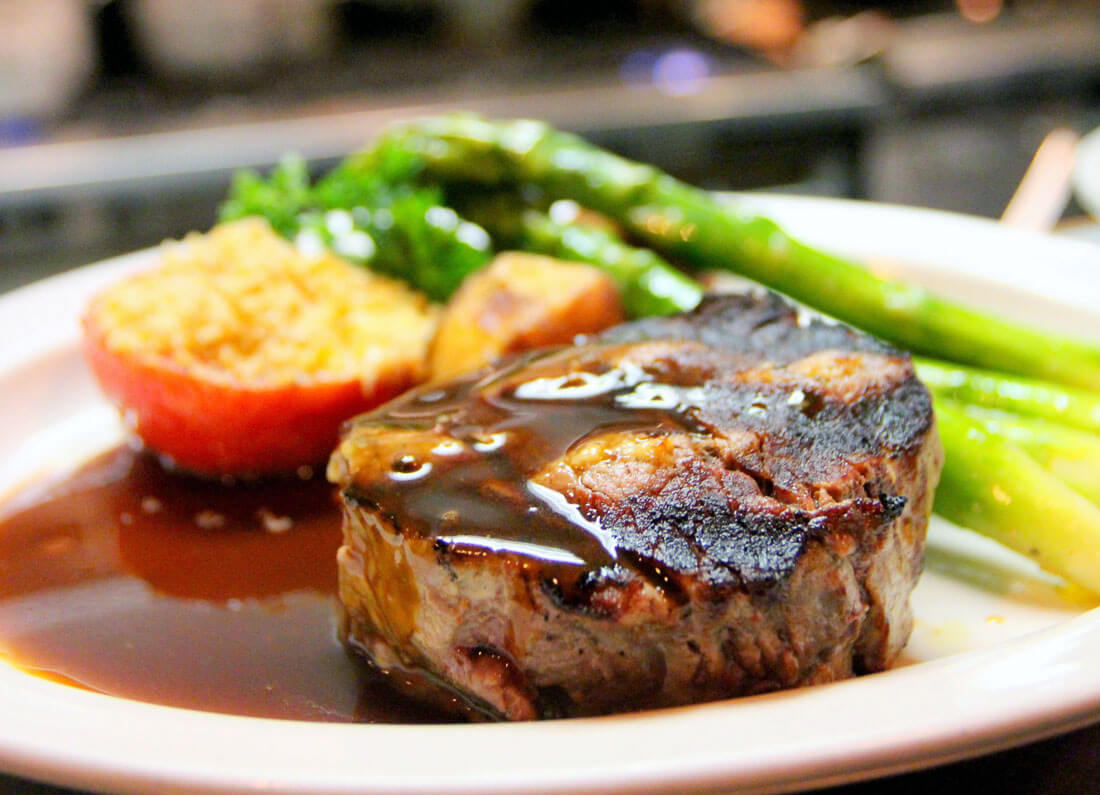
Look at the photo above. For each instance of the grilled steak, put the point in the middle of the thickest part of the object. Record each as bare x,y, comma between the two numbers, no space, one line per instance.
680,509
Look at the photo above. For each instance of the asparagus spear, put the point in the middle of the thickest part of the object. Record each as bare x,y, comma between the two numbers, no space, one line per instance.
990,485
647,283
693,226
1072,455
1029,397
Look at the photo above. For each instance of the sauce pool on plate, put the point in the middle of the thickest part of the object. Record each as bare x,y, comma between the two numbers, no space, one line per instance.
127,580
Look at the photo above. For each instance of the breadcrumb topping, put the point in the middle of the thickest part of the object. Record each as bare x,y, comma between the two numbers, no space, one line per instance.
243,304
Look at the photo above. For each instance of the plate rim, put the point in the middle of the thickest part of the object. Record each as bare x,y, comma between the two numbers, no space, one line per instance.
35,748
1085,175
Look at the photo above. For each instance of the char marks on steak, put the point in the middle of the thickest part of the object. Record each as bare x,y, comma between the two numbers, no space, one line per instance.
679,509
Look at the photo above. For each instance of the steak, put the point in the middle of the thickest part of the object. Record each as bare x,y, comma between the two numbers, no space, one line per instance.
676,510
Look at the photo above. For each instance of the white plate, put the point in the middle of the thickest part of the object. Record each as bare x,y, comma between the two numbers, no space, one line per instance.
997,657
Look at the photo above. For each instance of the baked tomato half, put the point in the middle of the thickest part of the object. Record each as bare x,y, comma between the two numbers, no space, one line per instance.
220,427
241,357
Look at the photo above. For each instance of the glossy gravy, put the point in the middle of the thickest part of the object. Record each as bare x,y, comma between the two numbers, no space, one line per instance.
123,579
469,448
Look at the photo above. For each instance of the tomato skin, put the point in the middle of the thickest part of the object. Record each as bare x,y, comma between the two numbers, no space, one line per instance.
224,428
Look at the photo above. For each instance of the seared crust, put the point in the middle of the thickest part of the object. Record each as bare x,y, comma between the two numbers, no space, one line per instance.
683,509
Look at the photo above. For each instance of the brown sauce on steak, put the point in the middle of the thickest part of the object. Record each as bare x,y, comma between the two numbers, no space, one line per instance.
130,581
473,488
466,456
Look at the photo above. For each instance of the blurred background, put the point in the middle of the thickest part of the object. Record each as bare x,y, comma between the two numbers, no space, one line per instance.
121,121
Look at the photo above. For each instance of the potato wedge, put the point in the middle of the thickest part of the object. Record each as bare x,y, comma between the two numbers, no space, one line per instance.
518,302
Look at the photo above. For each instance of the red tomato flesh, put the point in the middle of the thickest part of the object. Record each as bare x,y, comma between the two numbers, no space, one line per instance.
224,428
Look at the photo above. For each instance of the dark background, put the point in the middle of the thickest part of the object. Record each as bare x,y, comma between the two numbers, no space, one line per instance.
910,102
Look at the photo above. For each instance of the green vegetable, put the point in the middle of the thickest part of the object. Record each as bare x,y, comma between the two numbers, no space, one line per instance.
992,486
368,210
691,225
280,199
647,284
1072,455
1029,397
